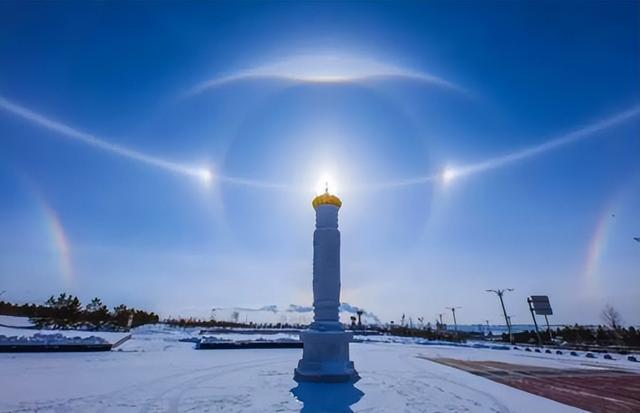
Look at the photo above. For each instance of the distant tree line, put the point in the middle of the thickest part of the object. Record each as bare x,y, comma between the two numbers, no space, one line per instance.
426,333
197,322
611,334
66,311
583,335
439,333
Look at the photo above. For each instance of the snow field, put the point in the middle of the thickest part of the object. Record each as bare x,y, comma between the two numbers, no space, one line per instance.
156,372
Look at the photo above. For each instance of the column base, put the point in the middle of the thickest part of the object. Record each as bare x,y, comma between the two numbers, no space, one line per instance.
325,358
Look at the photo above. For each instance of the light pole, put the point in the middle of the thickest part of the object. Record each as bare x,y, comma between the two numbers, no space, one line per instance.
500,293
453,311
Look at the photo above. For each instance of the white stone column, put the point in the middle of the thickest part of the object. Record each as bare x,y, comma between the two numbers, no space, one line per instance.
325,355
326,269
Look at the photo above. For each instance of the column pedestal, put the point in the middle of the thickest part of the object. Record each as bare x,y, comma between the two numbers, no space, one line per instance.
326,357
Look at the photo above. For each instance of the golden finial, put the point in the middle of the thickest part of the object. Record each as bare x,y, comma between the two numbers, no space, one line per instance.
326,198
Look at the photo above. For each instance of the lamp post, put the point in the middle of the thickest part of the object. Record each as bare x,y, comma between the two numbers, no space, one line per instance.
500,293
453,311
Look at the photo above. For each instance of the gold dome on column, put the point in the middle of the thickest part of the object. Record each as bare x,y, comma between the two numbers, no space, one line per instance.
326,199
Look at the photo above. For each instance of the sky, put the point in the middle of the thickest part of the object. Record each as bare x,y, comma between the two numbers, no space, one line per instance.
165,155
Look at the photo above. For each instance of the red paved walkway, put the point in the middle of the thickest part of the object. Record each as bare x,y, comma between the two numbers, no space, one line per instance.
588,389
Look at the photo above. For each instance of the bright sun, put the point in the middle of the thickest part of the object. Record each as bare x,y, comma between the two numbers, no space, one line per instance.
206,175
324,184
448,175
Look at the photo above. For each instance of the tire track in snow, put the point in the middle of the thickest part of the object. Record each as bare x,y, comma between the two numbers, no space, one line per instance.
184,386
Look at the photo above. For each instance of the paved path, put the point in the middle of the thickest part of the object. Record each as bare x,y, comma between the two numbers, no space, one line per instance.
596,390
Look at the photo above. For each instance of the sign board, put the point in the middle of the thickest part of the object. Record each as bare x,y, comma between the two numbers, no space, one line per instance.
541,304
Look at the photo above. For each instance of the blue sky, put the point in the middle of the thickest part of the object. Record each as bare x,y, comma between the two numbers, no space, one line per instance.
111,115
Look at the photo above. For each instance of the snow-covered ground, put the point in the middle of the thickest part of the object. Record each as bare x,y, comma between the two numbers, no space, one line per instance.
12,321
156,372
213,338
16,335
50,339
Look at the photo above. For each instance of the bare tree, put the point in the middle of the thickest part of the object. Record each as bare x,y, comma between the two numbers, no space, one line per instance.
611,317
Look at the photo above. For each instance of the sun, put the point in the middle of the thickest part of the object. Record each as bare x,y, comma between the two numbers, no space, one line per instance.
449,174
326,183
205,175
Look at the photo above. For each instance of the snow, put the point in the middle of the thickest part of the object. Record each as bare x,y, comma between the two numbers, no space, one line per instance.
49,339
21,335
155,371
219,338
564,361
13,321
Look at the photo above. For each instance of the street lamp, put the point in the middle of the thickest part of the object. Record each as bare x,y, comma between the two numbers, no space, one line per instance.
441,324
500,293
453,310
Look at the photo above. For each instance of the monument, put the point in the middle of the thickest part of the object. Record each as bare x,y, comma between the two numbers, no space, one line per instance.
325,356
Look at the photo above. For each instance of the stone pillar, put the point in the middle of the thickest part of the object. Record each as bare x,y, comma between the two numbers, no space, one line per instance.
326,269
326,345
